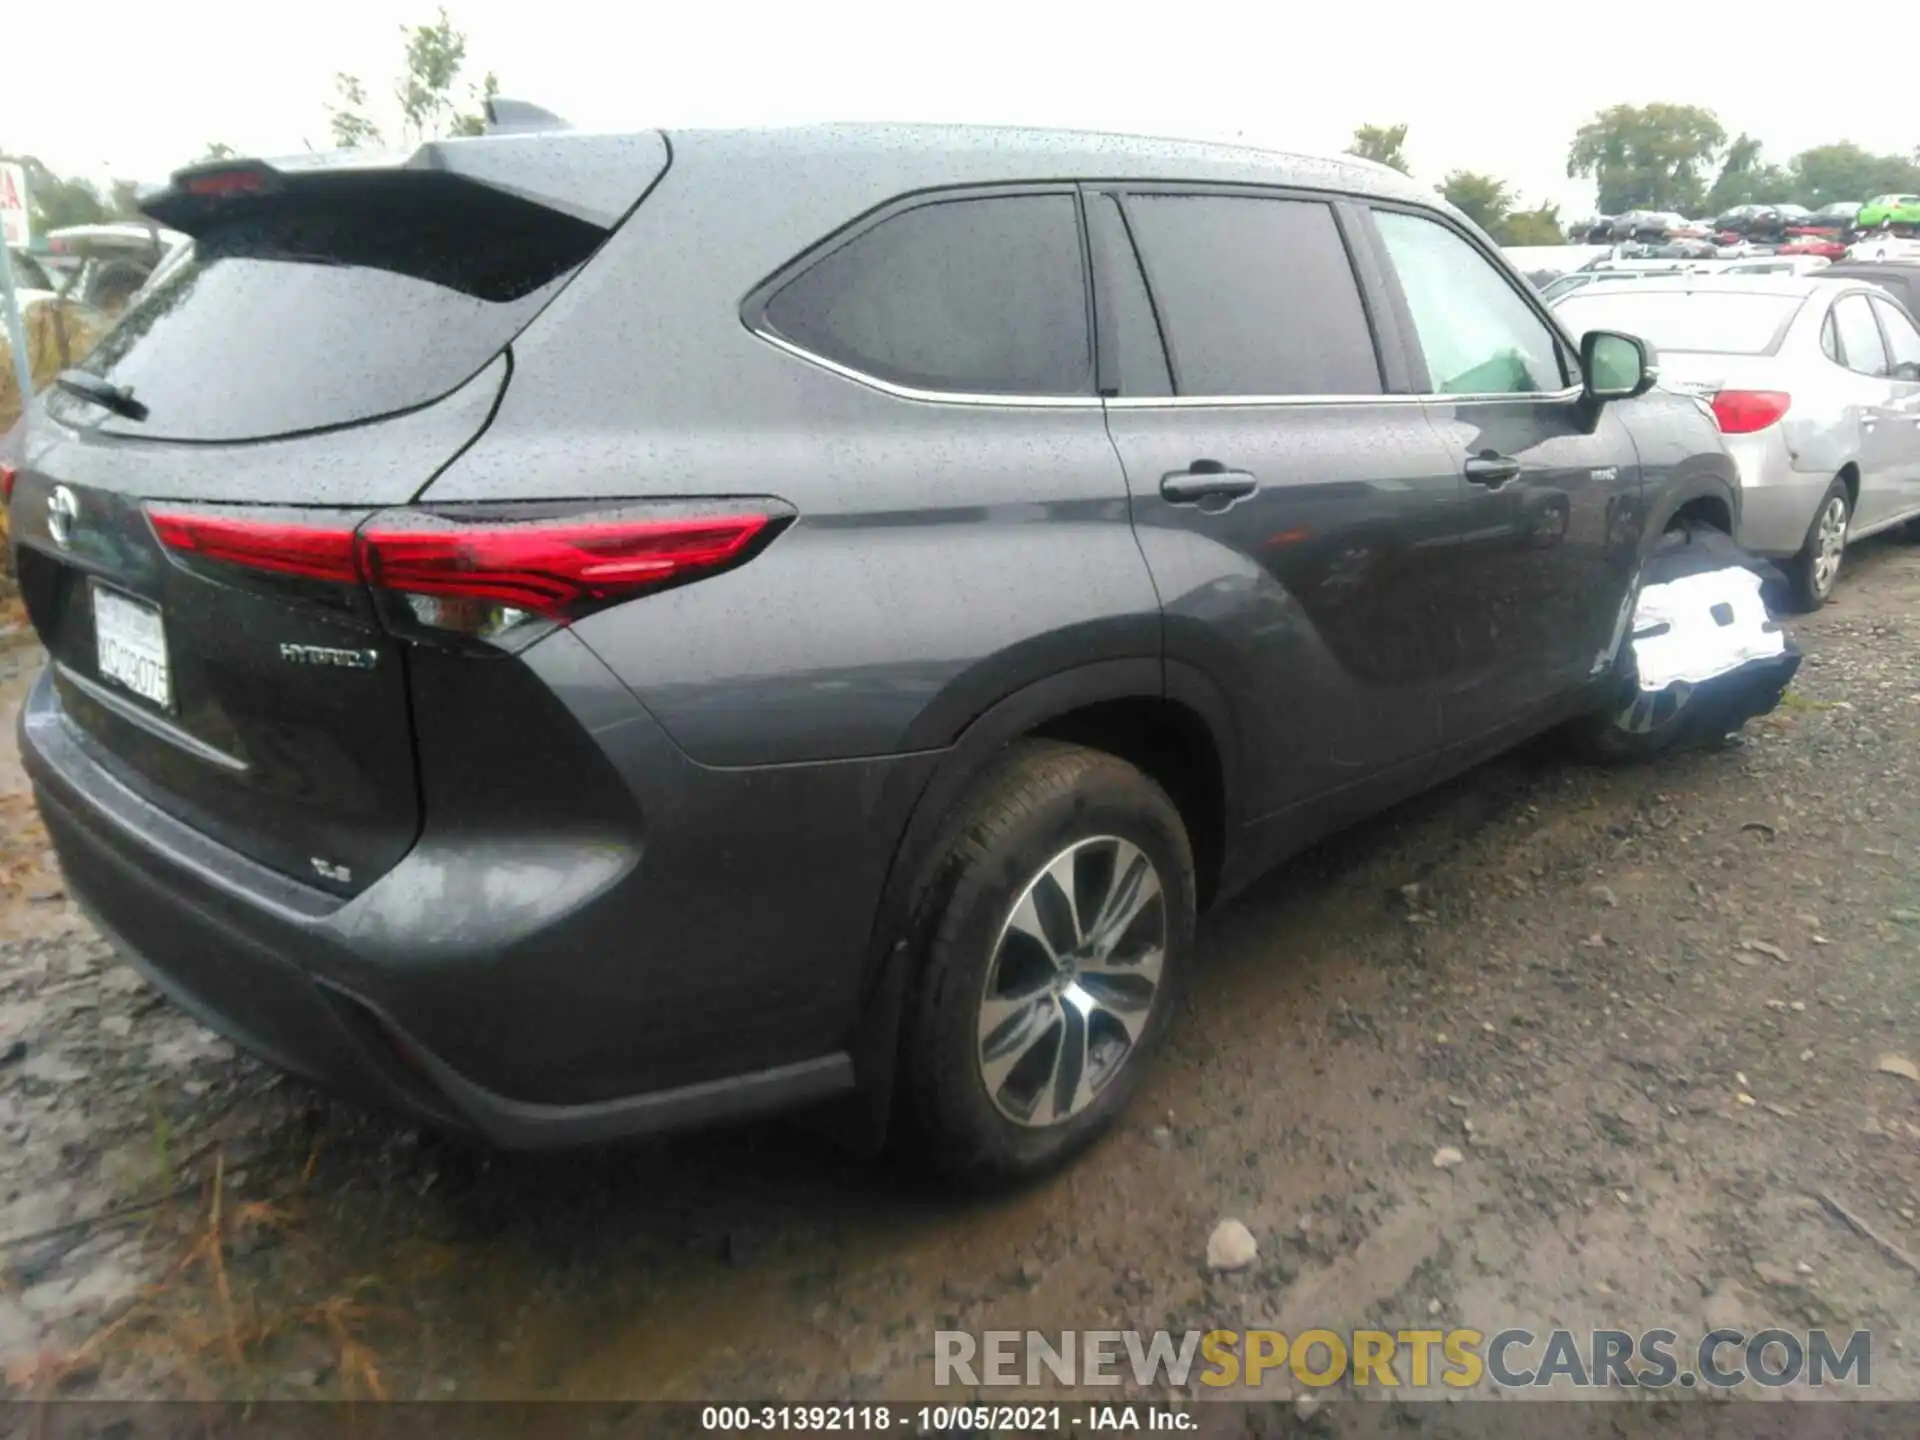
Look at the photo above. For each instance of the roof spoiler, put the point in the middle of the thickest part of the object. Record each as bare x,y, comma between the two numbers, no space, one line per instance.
517,117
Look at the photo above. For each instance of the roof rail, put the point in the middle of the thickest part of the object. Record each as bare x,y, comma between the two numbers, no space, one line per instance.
517,117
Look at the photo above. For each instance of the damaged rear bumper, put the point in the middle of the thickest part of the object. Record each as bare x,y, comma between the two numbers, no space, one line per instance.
1708,653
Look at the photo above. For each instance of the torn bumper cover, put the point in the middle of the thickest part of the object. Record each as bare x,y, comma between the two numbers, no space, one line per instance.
1707,651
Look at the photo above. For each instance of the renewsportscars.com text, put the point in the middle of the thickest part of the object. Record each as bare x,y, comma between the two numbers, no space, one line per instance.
1460,1359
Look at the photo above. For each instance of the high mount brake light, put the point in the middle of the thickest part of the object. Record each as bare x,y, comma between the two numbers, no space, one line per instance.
476,577
225,182
1742,412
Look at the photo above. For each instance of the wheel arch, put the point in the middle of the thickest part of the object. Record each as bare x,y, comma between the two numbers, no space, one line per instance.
1163,713
1701,494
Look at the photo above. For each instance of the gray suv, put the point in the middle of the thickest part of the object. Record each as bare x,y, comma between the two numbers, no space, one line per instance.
575,635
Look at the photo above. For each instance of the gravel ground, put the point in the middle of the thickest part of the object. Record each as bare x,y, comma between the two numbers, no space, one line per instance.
1657,1012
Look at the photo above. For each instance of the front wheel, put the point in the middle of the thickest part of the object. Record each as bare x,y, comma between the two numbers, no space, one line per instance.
1816,569
1057,927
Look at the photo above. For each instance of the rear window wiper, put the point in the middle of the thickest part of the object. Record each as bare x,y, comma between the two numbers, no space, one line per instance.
117,398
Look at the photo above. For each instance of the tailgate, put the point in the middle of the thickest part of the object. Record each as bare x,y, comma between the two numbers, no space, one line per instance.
270,713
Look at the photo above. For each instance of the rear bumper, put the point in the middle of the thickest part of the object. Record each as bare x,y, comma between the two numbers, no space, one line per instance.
555,1010
1776,501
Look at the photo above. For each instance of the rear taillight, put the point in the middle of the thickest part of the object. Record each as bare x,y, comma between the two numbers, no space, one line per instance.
555,570
7,476
311,552
487,573
1741,412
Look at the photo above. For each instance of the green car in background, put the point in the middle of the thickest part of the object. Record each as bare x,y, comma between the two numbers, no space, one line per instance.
1882,209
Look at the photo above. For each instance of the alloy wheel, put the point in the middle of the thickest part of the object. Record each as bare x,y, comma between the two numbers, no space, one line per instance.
1829,544
1072,983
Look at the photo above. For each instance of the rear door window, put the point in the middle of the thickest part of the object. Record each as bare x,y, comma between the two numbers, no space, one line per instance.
985,295
1861,348
1903,340
1478,336
1255,296
329,307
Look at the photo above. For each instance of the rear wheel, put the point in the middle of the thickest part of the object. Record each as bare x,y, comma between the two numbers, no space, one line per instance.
1057,927
1816,569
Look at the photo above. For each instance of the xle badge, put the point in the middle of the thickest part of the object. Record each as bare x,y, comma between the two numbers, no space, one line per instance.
329,655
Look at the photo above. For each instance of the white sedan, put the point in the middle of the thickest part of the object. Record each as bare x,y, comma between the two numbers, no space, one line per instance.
1816,387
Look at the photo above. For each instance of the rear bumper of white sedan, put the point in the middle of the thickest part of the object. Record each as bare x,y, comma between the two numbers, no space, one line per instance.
1776,501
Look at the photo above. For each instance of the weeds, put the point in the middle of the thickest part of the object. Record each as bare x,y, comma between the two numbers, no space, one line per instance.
193,1313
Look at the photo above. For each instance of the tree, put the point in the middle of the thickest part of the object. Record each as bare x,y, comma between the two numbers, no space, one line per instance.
347,115
123,200
1481,198
1747,180
1382,143
475,123
429,98
54,203
1844,171
1532,227
217,150
1651,157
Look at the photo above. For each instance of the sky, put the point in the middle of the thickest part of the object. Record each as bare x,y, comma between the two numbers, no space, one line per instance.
1494,87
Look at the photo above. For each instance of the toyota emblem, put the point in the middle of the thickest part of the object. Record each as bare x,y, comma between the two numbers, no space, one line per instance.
63,509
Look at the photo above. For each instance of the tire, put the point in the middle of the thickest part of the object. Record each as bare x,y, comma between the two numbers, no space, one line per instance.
1816,569
992,916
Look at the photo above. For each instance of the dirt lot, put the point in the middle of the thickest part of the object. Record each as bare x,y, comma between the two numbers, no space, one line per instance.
1647,1006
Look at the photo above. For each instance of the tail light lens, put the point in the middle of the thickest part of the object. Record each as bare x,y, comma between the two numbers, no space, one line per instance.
1742,412
501,574
308,552
7,476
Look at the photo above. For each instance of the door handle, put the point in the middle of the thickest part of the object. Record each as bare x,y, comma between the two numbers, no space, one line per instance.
1206,480
1492,470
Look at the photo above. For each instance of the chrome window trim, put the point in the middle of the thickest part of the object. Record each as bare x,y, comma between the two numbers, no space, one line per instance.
931,397
1141,402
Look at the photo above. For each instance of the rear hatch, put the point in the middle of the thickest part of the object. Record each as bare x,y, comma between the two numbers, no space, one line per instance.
186,535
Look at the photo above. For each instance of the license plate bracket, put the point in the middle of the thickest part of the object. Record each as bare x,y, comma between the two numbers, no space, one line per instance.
130,645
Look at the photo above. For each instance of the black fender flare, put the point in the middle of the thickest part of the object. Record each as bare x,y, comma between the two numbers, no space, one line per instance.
1699,482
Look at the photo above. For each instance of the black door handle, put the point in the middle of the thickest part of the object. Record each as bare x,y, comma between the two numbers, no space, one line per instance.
1206,480
1492,470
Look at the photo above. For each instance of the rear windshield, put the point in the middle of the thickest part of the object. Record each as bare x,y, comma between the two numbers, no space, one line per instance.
335,304
1715,322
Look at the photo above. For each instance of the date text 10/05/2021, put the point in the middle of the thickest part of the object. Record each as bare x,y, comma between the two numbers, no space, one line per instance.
942,1419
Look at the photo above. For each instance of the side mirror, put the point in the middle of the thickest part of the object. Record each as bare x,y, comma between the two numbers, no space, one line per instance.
1615,366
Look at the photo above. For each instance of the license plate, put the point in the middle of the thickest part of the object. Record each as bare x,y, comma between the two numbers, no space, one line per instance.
131,645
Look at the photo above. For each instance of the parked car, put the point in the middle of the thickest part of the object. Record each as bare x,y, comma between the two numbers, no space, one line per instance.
1900,279
1580,279
1836,218
1888,210
1739,220
1807,244
115,260
1883,245
1816,384
1781,262
823,663
1655,226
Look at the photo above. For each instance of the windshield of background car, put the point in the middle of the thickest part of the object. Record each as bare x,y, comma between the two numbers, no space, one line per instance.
1714,322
